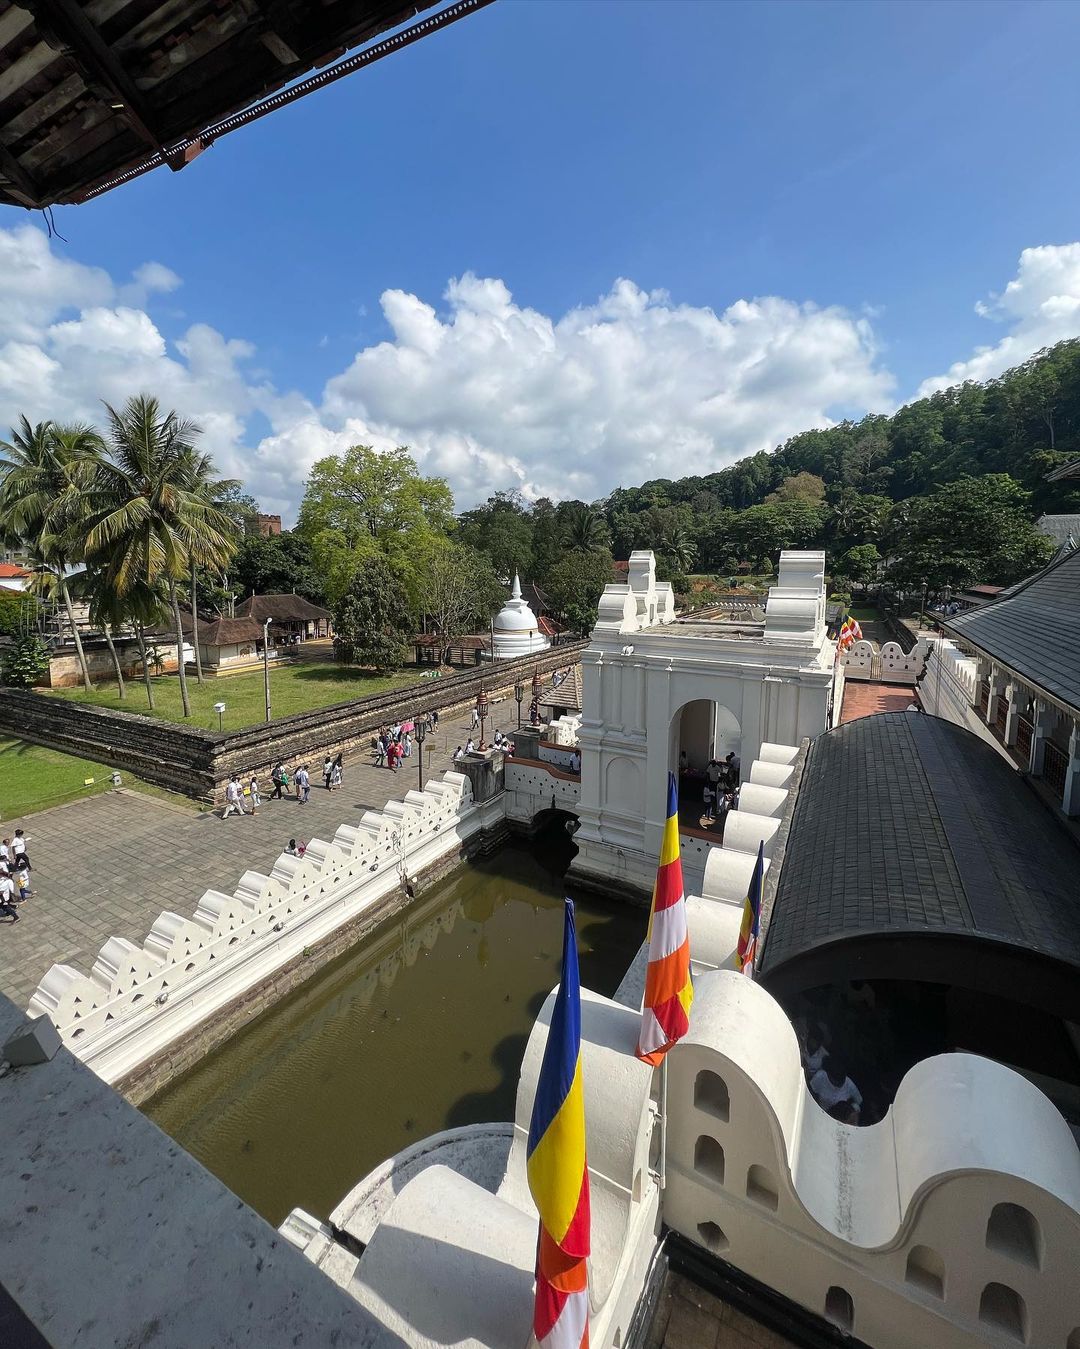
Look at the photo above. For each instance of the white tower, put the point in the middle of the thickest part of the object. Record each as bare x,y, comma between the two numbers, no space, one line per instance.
517,632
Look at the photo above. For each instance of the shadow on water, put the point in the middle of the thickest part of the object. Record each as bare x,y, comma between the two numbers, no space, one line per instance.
422,1027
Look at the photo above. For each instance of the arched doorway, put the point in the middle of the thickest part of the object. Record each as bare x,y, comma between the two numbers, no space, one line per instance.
701,730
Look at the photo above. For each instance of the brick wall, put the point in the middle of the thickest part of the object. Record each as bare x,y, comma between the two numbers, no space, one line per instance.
199,763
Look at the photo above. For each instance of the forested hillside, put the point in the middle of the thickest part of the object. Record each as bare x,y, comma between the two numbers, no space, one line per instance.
942,493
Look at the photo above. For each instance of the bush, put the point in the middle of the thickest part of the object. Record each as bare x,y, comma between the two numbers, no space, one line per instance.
18,613
27,663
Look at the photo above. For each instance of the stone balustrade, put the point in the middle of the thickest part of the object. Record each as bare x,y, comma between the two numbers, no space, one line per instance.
137,1000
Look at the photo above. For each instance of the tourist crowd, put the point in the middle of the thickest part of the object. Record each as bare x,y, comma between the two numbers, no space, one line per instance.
245,797
15,871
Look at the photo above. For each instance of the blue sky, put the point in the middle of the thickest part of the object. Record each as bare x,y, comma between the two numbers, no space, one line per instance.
890,160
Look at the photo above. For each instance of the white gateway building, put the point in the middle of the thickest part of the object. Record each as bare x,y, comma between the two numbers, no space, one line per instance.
656,688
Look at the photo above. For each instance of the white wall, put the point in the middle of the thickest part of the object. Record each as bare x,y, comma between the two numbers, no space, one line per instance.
760,1175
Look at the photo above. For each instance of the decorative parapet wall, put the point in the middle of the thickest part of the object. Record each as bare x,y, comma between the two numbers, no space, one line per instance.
137,1000
893,665
533,786
954,1222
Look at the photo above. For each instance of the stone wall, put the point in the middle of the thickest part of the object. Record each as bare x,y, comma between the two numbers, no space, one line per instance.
199,763
64,671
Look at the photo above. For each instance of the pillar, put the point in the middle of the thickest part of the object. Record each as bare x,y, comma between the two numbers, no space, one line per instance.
1070,801
1018,701
1040,718
997,685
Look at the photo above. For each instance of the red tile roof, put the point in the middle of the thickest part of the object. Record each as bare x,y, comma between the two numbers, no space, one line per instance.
10,571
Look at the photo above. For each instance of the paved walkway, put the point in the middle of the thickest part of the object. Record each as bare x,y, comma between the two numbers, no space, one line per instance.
863,699
107,866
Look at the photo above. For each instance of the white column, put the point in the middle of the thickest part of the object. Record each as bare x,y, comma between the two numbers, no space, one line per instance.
1018,701
997,685
1070,801
1040,718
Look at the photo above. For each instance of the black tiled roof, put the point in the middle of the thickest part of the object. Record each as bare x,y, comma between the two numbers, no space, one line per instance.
1034,629
908,824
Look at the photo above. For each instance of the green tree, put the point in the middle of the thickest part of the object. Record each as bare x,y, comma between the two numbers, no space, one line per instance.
583,528
501,529
45,473
678,544
547,544
283,563
462,592
372,619
974,529
861,564
805,487
366,494
26,663
150,513
576,584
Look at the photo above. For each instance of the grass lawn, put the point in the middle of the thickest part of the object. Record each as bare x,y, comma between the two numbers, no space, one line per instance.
866,613
293,688
33,778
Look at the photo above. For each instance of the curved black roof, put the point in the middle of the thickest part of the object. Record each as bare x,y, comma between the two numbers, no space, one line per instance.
917,852
1033,629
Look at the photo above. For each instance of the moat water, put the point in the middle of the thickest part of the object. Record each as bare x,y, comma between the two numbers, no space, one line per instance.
419,1028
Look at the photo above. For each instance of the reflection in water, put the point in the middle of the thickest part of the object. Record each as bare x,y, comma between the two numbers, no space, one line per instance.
421,1028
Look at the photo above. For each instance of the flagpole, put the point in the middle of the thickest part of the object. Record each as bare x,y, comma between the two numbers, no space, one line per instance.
663,1124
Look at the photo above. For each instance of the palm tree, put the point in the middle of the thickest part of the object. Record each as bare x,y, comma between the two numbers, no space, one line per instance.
45,472
213,492
680,547
584,530
150,519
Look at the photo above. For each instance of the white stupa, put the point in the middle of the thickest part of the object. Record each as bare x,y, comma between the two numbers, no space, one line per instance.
517,632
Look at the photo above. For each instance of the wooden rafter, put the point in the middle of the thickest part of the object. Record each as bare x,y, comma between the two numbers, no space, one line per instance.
68,22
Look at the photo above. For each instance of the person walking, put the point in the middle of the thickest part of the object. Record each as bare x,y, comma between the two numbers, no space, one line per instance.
378,744
253,788
393,754
475,720
335,774
18,845
22,879
233,798
327,771
303,784
406,744
277,778
7,897
434,718
5,852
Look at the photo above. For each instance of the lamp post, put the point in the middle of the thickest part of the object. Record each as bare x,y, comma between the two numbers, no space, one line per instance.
266,665
537,689
519,694
420,730
219,708
482,710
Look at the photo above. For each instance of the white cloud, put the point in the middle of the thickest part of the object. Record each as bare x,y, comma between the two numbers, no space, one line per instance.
486,392
1041,304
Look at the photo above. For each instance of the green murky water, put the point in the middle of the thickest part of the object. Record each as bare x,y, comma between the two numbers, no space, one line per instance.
420,1028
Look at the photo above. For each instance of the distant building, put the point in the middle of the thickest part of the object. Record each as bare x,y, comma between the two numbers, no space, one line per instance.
293,619
12,576
264,525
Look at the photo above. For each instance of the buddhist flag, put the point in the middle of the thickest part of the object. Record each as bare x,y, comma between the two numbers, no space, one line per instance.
746,952
669,990
557,1169
856,631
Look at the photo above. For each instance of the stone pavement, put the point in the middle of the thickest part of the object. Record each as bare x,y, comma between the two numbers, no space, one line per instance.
864,699
107,866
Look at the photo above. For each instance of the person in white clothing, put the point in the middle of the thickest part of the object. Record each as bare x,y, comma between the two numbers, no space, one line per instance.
18,845
234,797
7,897
835,1092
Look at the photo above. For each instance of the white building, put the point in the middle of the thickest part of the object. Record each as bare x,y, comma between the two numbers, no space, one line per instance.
656,687
516,631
